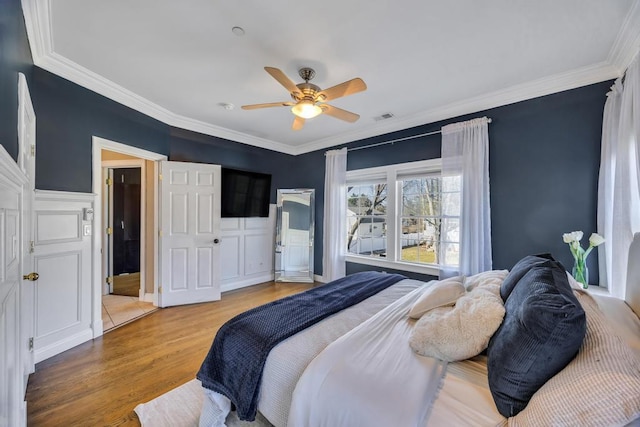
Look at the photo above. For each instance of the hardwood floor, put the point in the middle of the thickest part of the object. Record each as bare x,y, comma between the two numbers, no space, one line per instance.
98,383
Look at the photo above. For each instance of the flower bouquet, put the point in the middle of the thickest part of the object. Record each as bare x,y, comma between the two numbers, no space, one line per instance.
580,271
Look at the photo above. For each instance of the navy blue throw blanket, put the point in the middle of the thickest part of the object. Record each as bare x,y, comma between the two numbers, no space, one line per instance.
239,351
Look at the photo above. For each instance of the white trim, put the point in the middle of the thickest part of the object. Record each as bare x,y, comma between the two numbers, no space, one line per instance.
380,172
37,15
10,170
67,196
401,266
147,297
25,109
511,95
254,280
98,145
626,46
44,353
141,164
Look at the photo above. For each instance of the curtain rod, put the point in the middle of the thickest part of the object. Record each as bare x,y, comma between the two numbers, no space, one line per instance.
399,139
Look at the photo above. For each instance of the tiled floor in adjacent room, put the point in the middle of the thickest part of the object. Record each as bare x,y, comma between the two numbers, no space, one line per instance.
118,310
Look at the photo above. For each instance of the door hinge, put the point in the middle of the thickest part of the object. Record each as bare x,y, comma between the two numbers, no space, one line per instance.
159,233
160,177
32,247
31,344
109,181
109,231
33,150
159,289
110,279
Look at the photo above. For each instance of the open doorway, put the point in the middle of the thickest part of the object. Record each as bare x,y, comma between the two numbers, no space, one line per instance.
128,271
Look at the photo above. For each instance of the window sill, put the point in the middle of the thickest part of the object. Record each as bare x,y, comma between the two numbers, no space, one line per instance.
395,265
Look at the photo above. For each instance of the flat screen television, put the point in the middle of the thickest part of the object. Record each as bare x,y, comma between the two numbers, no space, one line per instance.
244,194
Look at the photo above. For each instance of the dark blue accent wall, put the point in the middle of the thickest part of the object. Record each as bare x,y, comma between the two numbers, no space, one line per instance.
544,157
68,116
15,57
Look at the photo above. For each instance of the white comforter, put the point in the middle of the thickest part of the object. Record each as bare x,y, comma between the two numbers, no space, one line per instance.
369,377
288,360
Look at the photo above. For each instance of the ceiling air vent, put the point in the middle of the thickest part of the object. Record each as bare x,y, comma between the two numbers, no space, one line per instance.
384,116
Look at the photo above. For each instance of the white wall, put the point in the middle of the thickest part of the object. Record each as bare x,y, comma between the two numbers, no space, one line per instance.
62,258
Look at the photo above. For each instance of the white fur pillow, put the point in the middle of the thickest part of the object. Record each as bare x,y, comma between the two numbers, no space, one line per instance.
442,293
486,279
460,332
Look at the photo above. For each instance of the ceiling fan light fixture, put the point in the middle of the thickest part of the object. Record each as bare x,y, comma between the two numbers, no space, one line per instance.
306,110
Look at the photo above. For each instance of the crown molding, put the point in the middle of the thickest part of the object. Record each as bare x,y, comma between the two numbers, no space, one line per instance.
534,89
37,18
627,43
37,15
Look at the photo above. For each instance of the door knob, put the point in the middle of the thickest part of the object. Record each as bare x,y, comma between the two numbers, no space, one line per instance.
216,241
31,276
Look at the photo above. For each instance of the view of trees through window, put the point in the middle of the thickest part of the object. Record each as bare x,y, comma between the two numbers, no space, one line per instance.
428,220
367,219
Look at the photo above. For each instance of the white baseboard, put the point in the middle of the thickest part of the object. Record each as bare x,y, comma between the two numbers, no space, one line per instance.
146,296
64,345
230,286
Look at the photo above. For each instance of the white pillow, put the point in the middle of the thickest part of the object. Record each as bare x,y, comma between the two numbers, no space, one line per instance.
460,332
442,293
486,279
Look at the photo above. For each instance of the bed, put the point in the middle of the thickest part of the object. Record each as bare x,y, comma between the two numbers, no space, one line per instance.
357,368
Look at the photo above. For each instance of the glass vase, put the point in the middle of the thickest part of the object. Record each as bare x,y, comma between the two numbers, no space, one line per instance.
580,272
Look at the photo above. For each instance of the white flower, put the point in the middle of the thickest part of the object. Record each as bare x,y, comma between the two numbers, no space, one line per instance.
574,236
595,239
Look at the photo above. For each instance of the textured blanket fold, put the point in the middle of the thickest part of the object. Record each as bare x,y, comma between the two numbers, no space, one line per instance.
237,356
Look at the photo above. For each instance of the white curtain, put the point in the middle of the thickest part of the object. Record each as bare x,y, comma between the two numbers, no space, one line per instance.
335,220
465,152
619,179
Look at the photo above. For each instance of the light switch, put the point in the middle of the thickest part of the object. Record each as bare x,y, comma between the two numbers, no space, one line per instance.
87,229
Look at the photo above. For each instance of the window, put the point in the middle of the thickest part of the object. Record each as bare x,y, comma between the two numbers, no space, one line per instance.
404,216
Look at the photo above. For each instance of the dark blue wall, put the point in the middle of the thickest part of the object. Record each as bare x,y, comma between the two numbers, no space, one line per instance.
15,56
67,116
544,156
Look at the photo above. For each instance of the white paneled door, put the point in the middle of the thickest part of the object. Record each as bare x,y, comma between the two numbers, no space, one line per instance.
190,233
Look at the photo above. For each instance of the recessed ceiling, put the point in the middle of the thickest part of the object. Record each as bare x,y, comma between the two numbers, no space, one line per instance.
422,61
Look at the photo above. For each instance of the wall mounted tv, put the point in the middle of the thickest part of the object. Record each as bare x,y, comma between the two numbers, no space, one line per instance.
244,194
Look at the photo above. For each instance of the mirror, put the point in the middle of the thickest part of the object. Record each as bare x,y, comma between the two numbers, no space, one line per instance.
294,236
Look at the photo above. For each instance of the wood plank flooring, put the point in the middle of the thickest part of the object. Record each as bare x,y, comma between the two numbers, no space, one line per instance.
127,285
98,383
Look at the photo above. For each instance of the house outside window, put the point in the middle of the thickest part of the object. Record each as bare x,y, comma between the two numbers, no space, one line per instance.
404,216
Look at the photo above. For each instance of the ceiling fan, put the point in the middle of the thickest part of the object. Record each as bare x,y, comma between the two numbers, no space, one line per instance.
309,98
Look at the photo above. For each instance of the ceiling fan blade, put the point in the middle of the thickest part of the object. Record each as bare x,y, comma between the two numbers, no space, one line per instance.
282,79
267,105
339,113
343,89
298,123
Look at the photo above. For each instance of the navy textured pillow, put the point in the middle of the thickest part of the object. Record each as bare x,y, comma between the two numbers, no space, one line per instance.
518,271
542,331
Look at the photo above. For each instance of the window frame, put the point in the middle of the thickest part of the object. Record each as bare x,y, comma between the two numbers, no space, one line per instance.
392,174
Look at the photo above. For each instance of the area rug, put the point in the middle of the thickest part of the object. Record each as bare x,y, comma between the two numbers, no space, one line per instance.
181,406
